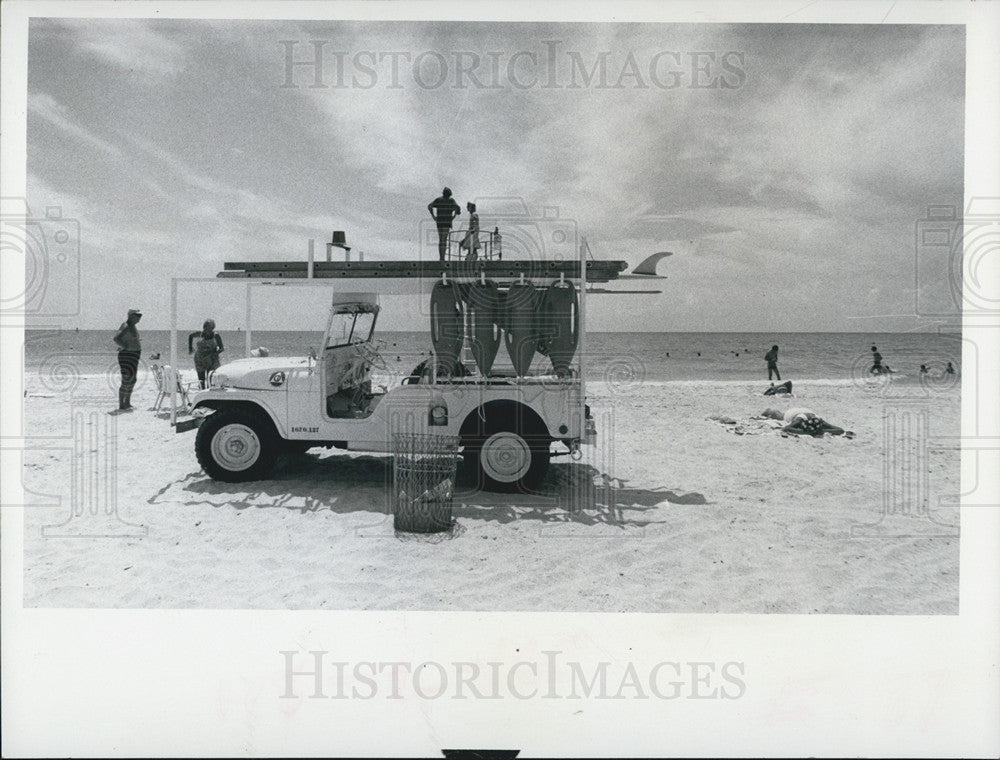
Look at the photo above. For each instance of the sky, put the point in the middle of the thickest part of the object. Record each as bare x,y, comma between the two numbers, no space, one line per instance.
786,167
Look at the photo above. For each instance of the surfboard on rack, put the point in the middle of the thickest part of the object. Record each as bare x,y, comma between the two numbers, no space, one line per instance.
597,271
520,325
559,323
447,326
416,277
482,307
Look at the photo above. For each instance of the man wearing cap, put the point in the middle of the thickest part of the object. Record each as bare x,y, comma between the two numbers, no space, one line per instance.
447,210
129,349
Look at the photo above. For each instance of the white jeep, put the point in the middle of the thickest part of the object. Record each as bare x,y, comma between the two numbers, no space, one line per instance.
264,407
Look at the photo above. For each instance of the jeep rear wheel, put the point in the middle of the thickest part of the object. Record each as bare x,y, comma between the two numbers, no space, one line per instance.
236,445
508,459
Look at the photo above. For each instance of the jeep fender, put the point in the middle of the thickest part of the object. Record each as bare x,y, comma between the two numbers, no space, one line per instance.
232,402
475,423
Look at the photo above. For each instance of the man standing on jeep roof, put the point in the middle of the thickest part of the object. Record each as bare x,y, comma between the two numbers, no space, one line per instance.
447,210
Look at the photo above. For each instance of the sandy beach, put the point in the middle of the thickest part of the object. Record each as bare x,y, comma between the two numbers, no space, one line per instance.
672,511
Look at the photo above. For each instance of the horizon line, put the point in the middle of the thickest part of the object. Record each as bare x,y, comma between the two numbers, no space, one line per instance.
590,332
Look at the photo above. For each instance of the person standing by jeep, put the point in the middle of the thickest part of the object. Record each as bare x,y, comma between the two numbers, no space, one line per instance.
206,351
129,350
443,210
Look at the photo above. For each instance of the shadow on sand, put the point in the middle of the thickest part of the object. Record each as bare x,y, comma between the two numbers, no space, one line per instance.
573,492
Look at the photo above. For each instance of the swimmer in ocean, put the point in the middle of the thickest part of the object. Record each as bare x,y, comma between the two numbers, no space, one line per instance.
949,370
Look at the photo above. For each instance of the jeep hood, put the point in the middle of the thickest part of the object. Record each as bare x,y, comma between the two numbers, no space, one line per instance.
256,373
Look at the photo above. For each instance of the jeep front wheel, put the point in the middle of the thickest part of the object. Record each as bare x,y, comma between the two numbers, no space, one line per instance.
236,445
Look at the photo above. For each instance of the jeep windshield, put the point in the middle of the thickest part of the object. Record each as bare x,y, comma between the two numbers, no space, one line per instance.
351,323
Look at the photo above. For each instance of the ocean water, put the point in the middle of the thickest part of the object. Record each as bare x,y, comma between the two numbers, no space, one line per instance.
621,357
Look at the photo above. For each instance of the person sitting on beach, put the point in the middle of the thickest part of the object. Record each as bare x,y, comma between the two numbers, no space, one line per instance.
801,421
785,387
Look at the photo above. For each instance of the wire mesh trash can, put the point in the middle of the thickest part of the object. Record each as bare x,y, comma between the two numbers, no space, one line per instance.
423,480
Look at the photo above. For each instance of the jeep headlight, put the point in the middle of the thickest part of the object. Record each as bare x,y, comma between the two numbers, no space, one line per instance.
218,380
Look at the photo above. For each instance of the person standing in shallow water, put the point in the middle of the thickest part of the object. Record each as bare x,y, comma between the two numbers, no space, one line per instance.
129,350
876,368
443,210
771,357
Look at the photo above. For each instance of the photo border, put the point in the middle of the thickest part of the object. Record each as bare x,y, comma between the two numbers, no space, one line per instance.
145,682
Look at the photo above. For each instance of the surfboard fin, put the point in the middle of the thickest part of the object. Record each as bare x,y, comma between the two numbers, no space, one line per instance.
648,265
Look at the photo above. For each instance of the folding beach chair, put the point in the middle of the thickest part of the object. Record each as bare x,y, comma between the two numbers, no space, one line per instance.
167,379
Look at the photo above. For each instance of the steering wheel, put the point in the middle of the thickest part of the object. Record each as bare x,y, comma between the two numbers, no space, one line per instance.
371,356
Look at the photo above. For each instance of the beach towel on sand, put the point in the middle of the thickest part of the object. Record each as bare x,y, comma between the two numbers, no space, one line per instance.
753,426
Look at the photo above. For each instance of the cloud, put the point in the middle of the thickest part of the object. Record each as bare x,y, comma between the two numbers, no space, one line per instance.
134,46
677,228
45,107
183,147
